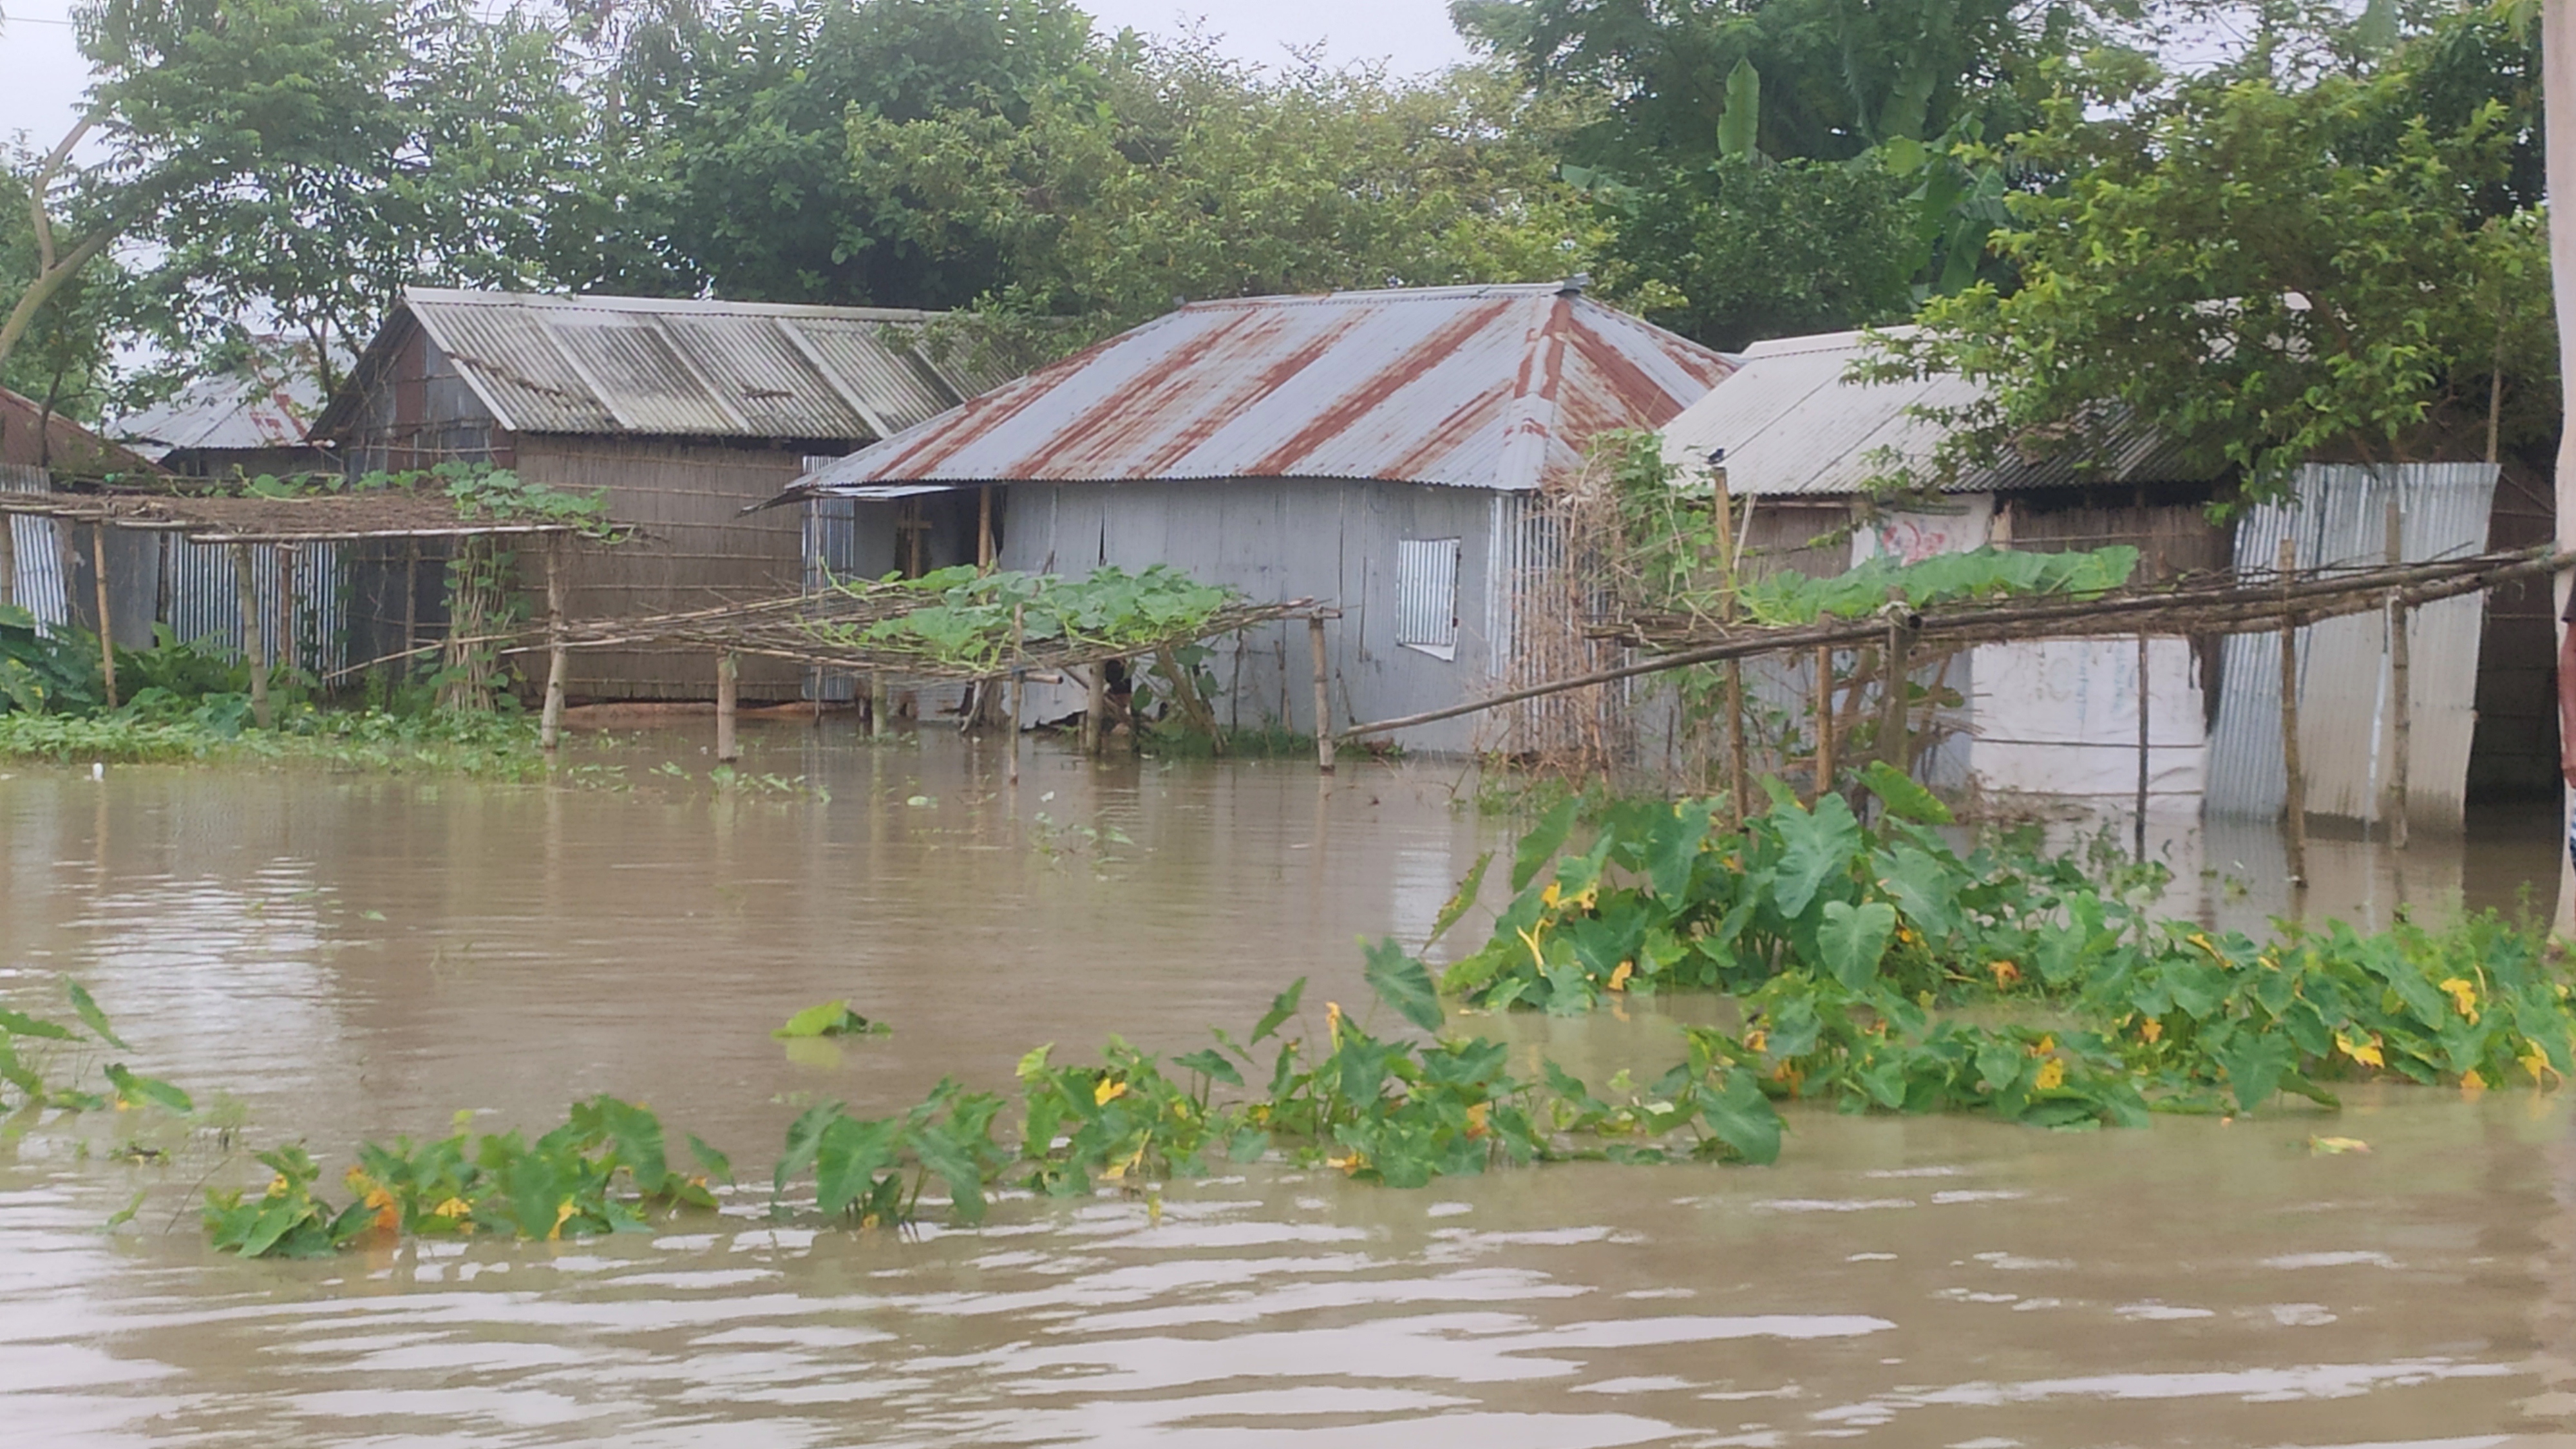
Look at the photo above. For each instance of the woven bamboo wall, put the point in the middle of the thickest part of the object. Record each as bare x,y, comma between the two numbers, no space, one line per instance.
694,548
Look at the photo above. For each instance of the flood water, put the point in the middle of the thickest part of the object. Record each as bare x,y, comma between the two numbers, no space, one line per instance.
356,956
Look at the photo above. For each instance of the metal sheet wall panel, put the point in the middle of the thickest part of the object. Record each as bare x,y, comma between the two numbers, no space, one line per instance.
39,587
1426,594
2340,518
202,602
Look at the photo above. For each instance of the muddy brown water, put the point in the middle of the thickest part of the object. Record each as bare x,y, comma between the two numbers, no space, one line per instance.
363,956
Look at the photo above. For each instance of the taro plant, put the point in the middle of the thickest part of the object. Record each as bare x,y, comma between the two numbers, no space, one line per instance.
872,1171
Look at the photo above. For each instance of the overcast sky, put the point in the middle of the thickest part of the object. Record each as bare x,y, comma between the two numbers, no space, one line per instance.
41,72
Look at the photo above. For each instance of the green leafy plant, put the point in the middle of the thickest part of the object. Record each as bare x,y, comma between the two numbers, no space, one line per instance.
976,614
832,1018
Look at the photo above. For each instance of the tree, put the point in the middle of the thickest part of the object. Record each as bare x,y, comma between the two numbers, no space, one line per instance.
730,160
1185,176
2261,271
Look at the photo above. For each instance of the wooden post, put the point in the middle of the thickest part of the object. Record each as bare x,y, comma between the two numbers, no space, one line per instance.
2294,778
2400,707
254,642
411,610
286,606
1095,707
984,528
8,560
1739,750
2142,746
106,625
1824,721
550,724
880,704
1323,695
728,687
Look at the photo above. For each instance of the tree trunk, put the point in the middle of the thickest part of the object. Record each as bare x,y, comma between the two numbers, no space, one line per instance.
2558,93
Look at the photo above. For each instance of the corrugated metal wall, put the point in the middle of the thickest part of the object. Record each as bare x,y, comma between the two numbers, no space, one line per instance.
38,586
202,602
2340,518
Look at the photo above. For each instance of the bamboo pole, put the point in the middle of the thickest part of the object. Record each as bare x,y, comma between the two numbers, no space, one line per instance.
1738,749
106,625
1824,708
2143,717
1185,692
2401,622
1323,695
728,690
1894,686
1095,707
1011,726
880,704
550,724
411,610
286,606
2294,777
984,528
8,560
2401,709
254,644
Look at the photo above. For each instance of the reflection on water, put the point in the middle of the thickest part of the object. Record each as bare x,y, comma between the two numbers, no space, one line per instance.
358,956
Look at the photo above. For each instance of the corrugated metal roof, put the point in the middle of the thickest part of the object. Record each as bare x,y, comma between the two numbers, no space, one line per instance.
654,366
1490,387
264,403
1791,425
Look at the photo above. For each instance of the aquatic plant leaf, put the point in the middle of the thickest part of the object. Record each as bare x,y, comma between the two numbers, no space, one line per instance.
1926,889
1207,1062
1853,940
848,1158
1540,846
1674,850
1904,797
95,1018
1401,981
149,1089
719,1167
2255,1061
18,1023
1282,1007
832,1018
1820,843
1743,1118
805,1138
1460,903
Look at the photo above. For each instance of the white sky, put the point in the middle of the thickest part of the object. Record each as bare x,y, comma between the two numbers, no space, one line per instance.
41,72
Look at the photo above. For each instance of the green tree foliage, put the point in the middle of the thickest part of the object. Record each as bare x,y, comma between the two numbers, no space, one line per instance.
62,361
2265,270
1189,177
730,166
376,143
1838,76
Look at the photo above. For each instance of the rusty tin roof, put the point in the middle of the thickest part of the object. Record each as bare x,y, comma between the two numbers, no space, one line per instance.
1488,387
648,366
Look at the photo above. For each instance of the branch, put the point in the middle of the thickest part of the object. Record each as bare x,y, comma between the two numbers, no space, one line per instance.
43,178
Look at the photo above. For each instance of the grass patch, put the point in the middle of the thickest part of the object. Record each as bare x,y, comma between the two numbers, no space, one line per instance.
489,746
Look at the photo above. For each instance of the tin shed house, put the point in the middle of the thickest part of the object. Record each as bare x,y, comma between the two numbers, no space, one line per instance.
683,411
1801,447
1382,452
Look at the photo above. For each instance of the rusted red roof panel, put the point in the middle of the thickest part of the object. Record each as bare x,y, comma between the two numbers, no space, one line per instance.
1485,387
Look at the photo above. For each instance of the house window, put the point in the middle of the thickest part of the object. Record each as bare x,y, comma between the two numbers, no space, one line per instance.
1426,595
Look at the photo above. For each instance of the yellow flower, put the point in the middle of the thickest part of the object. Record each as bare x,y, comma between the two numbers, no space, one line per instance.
454,1207
1333,1022
278,1186
2464,995
1756,1039
1551,895
2151,1030
2047,1044
563,1215
1619,978
2364,1052
2539,1067
2005,973
1110,1089
1476,1120
2471,1084
2052,1074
